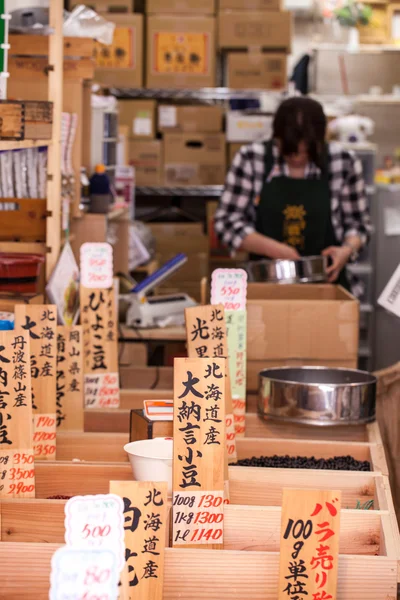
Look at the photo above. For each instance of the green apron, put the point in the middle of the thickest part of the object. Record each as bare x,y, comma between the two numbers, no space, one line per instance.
297,212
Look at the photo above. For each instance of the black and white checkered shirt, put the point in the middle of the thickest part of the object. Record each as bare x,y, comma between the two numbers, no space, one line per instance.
236,214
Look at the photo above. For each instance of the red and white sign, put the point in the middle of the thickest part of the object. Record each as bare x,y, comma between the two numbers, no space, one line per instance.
229,287
102,390
96,265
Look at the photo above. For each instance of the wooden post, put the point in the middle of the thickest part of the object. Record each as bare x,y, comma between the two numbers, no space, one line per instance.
40,322
206,337
17,472
100,347
145,523
199,456
69,379
309,548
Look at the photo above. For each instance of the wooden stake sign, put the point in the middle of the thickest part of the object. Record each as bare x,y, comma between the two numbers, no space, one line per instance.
78,573
69,399
199,456
17,471
309,546
100,347
229,288
236,330
145,522
40,322
206,337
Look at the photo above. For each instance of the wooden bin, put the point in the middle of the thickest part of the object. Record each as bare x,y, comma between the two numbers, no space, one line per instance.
23,219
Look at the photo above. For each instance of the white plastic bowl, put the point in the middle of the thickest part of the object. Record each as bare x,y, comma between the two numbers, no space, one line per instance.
151,460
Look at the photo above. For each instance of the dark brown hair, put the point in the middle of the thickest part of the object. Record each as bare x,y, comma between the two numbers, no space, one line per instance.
298,120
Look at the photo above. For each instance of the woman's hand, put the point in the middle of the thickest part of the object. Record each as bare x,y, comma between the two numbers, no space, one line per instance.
340,256
283,251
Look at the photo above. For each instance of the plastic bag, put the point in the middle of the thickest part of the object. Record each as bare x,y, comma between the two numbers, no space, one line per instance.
85,22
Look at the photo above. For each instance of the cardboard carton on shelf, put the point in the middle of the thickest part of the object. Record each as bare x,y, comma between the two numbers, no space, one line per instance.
146,157
191,273
243,127
233,149
121,63
302,323
190,119
194,159
180,52
140,118
261,70
173,238
181,7
250,5
250,29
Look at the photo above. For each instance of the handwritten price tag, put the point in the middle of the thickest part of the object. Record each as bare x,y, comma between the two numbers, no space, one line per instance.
17,473
229,287
84,575
96,522
198,517
96,265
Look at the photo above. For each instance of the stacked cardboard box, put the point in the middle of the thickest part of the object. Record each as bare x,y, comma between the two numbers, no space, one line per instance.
262,26
180,49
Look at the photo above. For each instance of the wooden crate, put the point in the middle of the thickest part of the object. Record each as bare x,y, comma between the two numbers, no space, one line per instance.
38,119
23,219
12,120
207,574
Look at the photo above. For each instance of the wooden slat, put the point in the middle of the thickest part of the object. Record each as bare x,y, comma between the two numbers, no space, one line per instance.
32,69
11,120
38,45
204,574
28,222
130,399
102,420
146,377
93,447
246,528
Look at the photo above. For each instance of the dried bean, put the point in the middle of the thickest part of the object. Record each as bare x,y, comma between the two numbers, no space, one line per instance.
337,463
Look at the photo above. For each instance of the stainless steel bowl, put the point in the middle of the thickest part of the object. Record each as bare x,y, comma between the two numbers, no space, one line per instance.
317,395
309,269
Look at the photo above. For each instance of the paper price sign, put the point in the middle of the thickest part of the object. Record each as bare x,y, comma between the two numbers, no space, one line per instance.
96,522
390,297
96,265
84,575
198,518
309,547
229,288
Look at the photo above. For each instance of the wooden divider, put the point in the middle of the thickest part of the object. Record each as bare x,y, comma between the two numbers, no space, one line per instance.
206,574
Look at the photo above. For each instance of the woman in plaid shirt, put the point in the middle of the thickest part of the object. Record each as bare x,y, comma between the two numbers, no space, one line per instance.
296,195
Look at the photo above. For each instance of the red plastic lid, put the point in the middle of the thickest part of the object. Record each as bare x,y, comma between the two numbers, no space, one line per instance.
15,257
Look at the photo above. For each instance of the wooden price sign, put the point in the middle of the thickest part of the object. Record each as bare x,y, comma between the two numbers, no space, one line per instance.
206,337
199,457
145,524
17,472
236,325
309,546
96,522
40,322
84,573
69,400
100,347
229,288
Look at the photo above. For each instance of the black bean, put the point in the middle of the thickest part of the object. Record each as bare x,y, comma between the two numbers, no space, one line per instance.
337,463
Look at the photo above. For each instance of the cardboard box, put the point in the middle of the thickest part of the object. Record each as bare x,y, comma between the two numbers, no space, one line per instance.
241,127
191,273
262,70
140,118
121,64
194,159
250,5
190,119
180,52
301,322
119,229
233,149
173,238
262,29
181,7
377,30
106,6
146,157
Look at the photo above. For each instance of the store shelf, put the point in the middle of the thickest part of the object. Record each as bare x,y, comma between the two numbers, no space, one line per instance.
209,191
360,268
366,308
23,144
204,94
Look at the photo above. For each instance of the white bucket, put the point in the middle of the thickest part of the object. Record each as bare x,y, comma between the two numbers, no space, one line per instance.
151,460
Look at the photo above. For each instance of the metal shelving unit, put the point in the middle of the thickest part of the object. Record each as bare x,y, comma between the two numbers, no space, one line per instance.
218,94
206,191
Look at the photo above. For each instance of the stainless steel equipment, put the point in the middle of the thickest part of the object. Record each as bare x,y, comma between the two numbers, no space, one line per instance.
309,269
317,395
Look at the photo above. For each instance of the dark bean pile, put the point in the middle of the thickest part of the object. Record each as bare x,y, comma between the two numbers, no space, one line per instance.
58,497
337,463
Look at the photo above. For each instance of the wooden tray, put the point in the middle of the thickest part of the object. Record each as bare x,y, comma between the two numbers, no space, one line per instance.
25,221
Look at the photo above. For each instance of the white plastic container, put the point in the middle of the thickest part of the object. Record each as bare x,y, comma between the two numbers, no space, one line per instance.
151,460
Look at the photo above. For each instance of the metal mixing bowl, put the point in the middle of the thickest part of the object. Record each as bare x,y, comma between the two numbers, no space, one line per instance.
309,269
317,395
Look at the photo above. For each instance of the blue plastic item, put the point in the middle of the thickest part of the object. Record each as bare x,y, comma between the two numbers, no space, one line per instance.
162,273
6,325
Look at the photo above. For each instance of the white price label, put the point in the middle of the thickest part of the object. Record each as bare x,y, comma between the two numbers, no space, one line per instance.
167,116
78,574
96,522
142,126
390,297
229,287
96,265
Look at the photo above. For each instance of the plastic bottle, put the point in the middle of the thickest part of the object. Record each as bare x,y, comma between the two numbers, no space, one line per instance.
99,190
